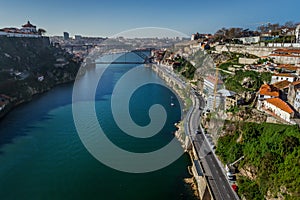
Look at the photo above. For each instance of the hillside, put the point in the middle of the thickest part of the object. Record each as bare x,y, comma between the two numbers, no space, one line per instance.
30,66
271,166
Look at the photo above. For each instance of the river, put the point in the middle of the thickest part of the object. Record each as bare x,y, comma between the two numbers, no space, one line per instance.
42,156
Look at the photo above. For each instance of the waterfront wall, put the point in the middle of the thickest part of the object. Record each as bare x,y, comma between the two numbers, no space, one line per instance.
203,188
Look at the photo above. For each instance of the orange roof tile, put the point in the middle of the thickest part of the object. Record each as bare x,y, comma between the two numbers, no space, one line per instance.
269,90
288,67
282,84
285,75
280,104
287,51
295,83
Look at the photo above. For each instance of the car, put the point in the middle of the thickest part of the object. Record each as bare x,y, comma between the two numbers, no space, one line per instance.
230,176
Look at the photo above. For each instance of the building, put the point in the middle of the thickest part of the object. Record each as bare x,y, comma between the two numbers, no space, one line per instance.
286,56
279,108
281,77
27,30
297,32
209,84
78,37
292,91
249,40
267,91
297,101
223,100
230,98
283,87
66,36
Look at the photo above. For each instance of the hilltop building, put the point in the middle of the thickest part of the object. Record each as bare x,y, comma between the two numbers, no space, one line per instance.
27,30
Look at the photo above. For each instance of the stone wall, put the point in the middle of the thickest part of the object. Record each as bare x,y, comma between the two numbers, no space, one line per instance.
257,50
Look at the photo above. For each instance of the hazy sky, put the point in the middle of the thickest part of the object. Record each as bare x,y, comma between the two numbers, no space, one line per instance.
106,18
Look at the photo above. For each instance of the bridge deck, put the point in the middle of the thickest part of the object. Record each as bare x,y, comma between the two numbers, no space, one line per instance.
118,63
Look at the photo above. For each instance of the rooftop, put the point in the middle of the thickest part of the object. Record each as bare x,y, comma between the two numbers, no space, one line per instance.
287,51
28,25
288,67
280,104
212,79
282,84
269,90
285,75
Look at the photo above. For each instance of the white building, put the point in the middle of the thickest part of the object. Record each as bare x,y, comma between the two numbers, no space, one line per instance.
249,40
209,84
286,56
297,101
298,34
281,77
279,108
27,30
223,100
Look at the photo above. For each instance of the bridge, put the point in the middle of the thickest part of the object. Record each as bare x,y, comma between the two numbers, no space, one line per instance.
139,52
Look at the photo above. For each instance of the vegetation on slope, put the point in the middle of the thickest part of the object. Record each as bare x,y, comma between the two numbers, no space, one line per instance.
247,81
34,57
272,151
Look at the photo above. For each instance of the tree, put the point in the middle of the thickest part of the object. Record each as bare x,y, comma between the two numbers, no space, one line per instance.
41,31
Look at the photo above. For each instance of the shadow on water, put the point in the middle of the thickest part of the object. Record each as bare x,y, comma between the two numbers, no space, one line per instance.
19,121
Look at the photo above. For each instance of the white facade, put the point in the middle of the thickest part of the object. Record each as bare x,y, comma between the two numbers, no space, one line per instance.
277,78
28,30
250,40
209,85
297,101
277,111
298,34
285,59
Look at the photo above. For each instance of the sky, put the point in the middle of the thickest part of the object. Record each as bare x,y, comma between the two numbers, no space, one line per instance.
107,18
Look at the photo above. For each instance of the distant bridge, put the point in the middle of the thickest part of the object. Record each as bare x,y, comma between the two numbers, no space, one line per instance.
139,52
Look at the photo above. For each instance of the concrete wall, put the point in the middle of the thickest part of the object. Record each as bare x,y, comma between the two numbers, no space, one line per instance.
280,45
243,49
247,61
286,59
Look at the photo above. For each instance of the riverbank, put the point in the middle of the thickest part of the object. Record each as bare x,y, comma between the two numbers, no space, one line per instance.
179,87
14,103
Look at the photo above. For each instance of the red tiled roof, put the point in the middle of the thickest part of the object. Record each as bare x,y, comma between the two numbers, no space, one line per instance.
212,79
285,75
282,84
28,25
288,51
269,90
295,83
288,67
280,104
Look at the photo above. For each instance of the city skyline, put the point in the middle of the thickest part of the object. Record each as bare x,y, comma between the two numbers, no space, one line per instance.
105,19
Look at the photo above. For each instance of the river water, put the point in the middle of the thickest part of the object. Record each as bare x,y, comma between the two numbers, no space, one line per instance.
42,157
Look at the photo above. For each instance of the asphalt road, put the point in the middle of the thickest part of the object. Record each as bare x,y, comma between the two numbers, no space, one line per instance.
215,177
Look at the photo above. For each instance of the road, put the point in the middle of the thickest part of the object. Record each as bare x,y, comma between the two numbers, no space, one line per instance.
218,183
213,171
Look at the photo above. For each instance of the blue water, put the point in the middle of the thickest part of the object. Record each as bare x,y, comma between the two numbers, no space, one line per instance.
42,157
